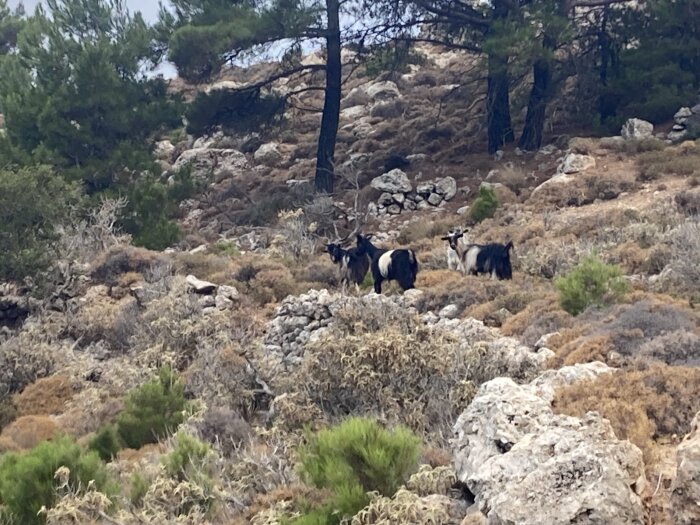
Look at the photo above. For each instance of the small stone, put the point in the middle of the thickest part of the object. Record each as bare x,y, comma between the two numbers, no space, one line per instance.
434,199
424,189
385,199
636,128
447,187
229,292
199,286
451,311
399,198
394,209
394,181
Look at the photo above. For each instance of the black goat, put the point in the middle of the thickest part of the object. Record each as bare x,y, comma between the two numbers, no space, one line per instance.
353,264
390,265
491,258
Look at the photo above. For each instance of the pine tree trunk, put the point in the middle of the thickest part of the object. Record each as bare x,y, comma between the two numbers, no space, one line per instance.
500,128
331,106
531,138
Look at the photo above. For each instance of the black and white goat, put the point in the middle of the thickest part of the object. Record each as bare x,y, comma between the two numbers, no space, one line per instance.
390,265
454,238
353,264
493,258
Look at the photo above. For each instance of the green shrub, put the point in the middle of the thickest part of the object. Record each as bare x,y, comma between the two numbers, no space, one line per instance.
147,217
591,282
138,488
227,248
106,443
484,206
27,479
188,462
33,201
152,410
189,454
351,459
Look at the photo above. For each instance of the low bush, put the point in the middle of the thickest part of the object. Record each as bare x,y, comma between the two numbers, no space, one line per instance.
152,410
401,370
26,432
27,480
484,206
226,427
138,487
670,161
106,443
187,458
354,458
641,403
46,396
591,282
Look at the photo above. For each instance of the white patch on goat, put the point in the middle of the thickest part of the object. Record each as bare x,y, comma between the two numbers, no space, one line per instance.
385,263
469,264
453,262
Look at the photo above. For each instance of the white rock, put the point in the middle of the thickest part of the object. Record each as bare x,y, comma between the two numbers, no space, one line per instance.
219,162
268,154
412,297
528,466
682,115
685,497
451,311
410,205
381,91
416,158
399,198
447,187
393,209
164,150
636,128
575,163
677,136
434,199
223,84
395,181
385,199
463,210
199,286
199,249
354,112
223,303
425,188
230,292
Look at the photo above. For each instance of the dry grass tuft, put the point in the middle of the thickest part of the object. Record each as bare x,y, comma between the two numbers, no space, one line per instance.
410,375
680,160
540,317
45,397
643,403
422,229
28,431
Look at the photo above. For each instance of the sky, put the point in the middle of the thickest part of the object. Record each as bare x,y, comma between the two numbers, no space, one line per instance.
149,8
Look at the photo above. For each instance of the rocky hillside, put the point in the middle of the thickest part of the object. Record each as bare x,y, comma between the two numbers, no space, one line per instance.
529,410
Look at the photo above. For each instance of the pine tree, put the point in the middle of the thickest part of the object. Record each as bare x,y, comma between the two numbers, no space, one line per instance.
76,95
203,35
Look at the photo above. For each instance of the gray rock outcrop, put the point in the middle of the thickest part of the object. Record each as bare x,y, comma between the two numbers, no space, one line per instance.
527,465
685,499
636,129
